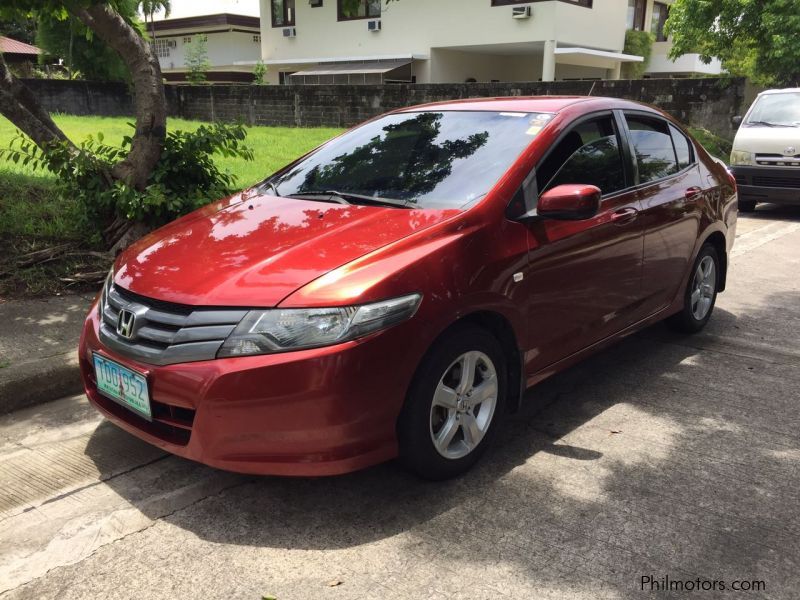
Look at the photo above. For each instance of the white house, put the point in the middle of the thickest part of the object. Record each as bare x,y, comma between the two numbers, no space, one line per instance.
442,41
233,43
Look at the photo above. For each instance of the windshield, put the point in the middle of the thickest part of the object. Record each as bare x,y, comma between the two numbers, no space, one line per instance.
424,159
776,109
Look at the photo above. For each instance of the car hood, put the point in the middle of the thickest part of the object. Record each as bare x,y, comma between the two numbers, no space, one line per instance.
767,140
255,251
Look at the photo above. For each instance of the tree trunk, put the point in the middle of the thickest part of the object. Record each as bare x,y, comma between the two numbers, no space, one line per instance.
19,105
149,101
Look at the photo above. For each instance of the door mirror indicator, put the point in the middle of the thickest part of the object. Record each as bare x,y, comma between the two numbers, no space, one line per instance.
570,202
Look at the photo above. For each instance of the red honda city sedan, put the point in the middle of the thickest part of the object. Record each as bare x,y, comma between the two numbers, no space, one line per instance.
395,291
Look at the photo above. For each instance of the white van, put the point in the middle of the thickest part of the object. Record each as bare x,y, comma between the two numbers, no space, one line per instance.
766,151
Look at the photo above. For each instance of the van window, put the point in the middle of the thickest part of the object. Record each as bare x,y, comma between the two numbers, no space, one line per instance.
781,109
652,143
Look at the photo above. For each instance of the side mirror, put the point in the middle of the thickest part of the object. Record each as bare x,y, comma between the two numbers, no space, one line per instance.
570,202
737,120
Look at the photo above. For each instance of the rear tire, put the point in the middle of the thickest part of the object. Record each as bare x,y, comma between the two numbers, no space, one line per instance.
454,404
701,293
747,206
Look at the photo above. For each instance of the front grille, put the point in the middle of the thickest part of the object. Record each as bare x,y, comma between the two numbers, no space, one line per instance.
776,182
778,160
163,333
740,179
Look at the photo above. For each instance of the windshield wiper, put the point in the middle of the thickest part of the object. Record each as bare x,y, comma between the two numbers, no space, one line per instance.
350,198
767,124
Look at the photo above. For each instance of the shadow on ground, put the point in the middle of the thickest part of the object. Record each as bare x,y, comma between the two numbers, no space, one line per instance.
653,457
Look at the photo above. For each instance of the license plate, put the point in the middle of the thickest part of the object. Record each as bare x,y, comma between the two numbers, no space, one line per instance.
119,383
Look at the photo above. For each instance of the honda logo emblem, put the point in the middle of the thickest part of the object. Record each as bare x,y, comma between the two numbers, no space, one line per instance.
125,323
790,151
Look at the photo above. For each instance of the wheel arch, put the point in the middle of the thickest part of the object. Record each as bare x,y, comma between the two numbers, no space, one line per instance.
717,239
501,328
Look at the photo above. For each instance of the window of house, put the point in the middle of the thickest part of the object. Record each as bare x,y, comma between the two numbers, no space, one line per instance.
683,148
187,40
257,39
349,10
660,14
652,142
589,154
636,9
586,3
162,46
282,13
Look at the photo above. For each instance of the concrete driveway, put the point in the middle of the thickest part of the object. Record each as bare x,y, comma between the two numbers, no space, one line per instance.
664,456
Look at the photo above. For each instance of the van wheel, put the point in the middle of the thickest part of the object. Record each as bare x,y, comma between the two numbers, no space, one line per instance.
701,293
454,404
747,206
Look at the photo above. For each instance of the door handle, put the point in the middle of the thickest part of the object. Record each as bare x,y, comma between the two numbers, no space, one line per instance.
624,215
692,192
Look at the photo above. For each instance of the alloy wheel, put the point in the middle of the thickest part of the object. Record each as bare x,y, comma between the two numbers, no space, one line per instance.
463,405
704,286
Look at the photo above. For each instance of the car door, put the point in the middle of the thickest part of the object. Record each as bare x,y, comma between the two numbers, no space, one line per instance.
583,281
670,189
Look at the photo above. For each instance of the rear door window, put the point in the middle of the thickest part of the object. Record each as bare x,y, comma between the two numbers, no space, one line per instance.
589,154
683,149
652,143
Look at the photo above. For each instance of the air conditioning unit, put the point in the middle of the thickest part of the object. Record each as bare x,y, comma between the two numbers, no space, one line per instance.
374,26
521,12
290,32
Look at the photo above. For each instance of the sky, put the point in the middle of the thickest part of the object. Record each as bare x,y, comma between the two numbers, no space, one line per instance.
191,8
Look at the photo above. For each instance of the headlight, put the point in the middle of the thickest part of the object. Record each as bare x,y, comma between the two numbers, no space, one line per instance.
742,157
281,330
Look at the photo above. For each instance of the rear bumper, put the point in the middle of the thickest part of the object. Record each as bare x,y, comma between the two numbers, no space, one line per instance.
315,412
780,185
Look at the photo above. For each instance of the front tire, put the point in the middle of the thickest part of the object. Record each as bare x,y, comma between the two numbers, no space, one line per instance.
701,293
454,404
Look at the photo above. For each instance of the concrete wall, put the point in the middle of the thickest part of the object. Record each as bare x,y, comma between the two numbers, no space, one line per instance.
708,103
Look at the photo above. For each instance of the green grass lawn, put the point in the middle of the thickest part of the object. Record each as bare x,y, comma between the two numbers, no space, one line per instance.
33,216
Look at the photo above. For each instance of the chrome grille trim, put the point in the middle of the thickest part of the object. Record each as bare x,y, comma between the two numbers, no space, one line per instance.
165,334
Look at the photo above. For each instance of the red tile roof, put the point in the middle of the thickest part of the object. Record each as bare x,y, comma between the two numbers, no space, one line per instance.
9,46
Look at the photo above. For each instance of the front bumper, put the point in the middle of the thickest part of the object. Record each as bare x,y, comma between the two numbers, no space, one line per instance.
324,411
780,185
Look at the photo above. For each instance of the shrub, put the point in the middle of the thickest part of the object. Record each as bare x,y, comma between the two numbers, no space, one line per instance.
639,43
185,177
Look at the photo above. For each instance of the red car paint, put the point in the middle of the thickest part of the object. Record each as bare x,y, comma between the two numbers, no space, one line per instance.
334,409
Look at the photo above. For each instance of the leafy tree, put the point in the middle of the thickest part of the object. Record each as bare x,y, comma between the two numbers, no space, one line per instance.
68,38
150,7
22,30
758,39
639,43
134,166
197,60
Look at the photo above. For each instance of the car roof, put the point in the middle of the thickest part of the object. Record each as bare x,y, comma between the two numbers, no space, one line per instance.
780,91
524,104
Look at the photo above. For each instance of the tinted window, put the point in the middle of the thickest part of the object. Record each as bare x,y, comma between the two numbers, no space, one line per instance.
430,159
682,148
588,154
653,146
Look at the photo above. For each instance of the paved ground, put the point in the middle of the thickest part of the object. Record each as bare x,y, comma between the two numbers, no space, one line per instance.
663,456
38,361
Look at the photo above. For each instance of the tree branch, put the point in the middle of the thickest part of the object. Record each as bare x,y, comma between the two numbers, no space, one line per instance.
20,106
148,86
